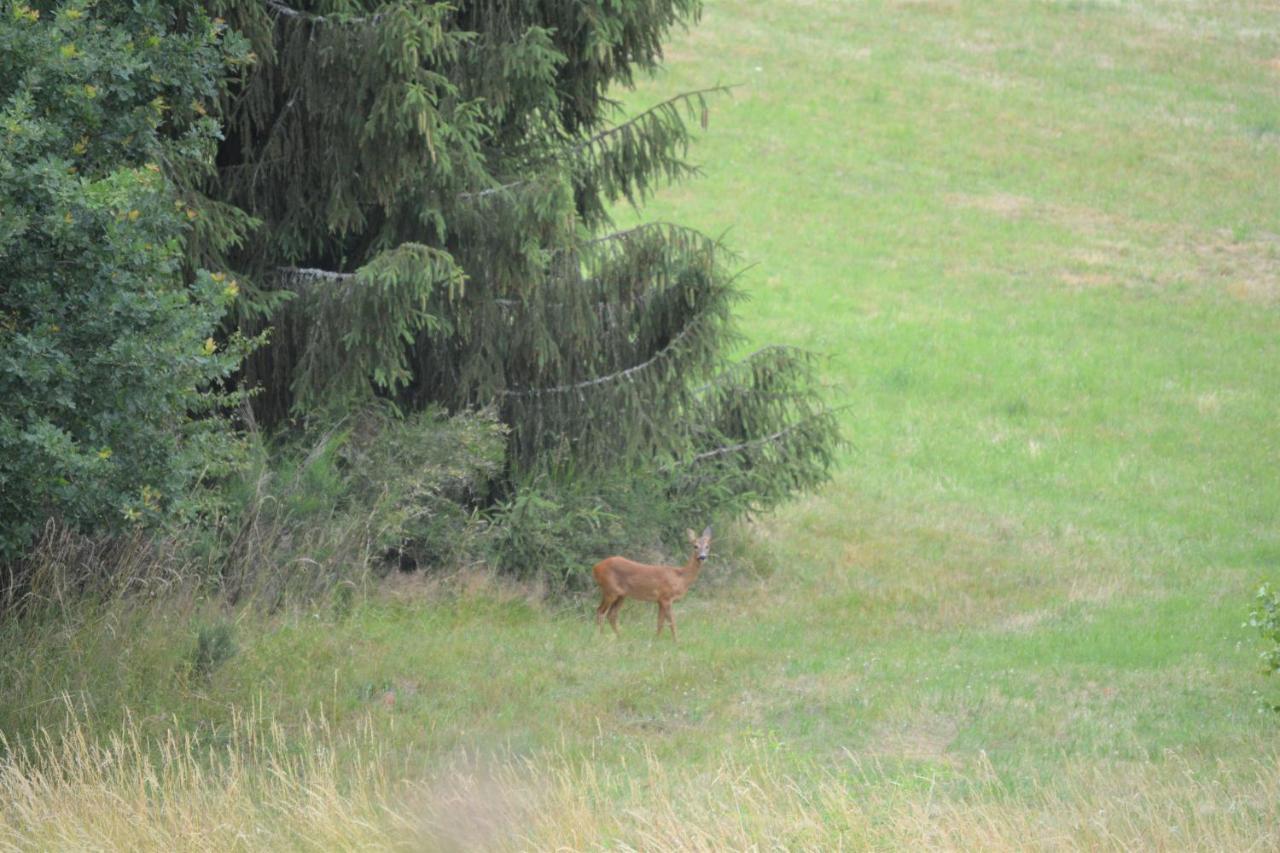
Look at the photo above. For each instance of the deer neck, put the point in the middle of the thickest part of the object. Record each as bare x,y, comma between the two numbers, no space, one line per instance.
689,571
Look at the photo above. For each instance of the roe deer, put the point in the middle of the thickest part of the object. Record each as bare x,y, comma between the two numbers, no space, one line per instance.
619,577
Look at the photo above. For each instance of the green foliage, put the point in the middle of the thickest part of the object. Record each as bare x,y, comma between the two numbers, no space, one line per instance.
215,645
373,491
759,433
427,473
352,331
555,532
435,183
1265,618
109,370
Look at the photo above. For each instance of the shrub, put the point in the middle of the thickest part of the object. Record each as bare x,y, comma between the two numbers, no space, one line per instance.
1265,617
427,473
215,645
109,368
375,491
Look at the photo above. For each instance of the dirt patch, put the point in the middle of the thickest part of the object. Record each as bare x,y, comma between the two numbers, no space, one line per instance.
1208,403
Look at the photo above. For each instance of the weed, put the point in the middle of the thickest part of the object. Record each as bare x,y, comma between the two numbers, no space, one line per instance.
215,645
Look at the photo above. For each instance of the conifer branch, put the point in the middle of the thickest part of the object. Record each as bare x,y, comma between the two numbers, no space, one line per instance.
492,190
770,350
312,18
623,233
313,273
604,136
600,380
755,442
639,118
275,127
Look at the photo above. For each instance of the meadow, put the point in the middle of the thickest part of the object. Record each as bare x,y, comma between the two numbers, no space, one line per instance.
1037,245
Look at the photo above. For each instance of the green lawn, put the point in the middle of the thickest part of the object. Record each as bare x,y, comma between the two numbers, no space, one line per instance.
1037,244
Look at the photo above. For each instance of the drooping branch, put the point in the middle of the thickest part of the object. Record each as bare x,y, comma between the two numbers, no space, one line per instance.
468,196
734,448
764,352
698,96
623,158
312,18
601,380
757,442
312,273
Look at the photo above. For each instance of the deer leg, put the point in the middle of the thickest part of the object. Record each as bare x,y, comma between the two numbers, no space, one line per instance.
664,615
600,611
614,607
671,620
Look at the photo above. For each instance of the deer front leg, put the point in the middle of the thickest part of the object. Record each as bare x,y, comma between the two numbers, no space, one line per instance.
608,608
664,615
613,615
600,611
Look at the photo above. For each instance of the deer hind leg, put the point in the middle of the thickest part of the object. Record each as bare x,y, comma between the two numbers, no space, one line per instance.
612,613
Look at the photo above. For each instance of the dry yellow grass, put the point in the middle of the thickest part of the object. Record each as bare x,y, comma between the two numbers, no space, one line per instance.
314,790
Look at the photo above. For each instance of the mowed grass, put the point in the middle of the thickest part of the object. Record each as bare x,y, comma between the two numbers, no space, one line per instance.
1037,245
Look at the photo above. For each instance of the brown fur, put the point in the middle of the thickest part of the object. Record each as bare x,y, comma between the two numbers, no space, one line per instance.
619,578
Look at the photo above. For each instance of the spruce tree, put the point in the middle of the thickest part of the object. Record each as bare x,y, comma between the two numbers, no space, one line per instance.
434,184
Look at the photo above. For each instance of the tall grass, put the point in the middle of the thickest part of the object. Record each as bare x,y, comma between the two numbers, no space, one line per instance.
313,789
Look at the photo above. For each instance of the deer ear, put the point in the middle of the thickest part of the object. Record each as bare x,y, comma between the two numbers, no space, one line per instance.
706,534
692,538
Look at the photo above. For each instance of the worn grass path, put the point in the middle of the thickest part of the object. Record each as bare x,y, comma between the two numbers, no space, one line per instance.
1037,243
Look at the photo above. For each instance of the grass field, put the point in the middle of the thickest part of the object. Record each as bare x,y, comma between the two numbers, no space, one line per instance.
1038,244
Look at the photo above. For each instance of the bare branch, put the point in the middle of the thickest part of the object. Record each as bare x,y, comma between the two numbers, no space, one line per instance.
275,126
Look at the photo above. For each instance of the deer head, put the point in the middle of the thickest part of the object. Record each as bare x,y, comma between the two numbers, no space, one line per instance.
701,544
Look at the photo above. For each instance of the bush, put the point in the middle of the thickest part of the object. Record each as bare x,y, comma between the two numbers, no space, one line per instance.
215,645
109,369
1265,617
429,474
374,492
